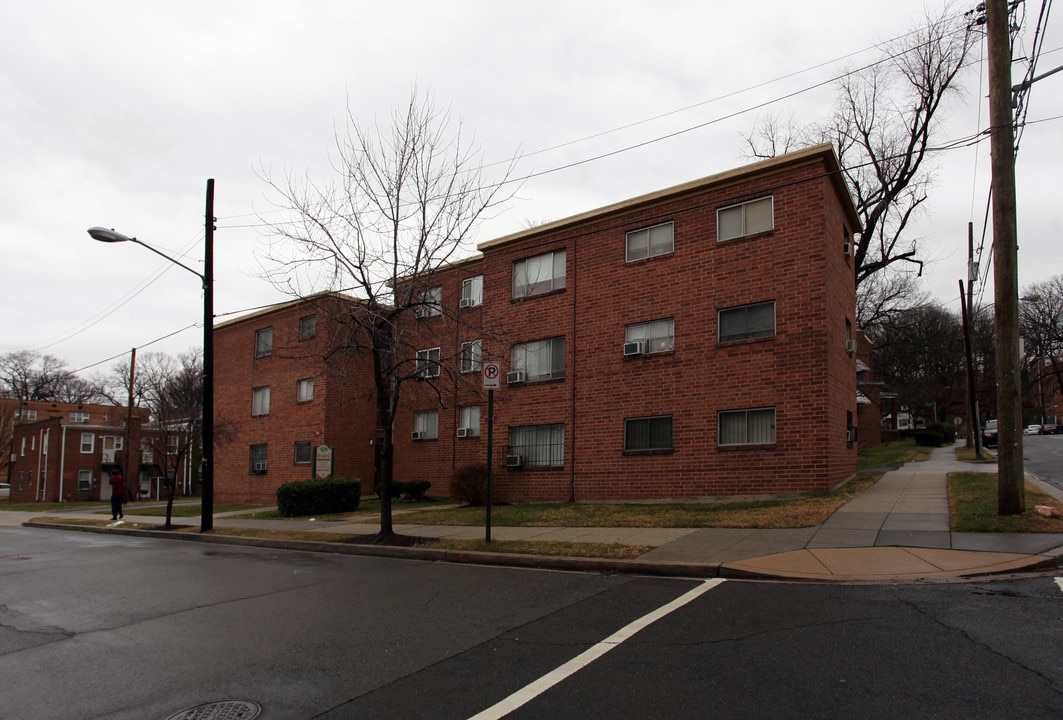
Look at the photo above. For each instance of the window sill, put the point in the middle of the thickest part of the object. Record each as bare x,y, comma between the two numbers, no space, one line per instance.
524,298
744,341
752,236
650,451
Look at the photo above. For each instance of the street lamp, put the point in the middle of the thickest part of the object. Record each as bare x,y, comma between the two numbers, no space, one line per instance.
109,235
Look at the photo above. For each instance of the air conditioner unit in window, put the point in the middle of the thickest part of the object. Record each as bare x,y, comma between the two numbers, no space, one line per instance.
260,467
421,312
850,346
515,377
466,303
850,435
463,432
416,435
632,348
514,461
847,249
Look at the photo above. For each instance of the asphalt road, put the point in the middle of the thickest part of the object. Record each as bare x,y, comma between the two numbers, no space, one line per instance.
1043,456
93,626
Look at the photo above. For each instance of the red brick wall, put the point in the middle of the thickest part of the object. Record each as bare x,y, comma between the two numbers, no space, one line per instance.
804,371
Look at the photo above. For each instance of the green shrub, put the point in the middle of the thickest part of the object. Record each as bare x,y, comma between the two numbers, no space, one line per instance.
929,438
415,489
318,497
948,432
468,484
394,490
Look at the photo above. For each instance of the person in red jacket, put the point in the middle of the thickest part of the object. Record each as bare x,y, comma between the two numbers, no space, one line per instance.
117,494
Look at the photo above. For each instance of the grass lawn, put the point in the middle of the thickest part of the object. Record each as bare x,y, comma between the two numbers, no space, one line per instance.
973,507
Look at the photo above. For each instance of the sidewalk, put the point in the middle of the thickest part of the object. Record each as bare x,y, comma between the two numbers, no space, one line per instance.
896,530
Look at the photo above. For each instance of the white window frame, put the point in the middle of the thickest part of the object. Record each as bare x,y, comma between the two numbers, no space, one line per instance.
471,356
428,363
531,358
742,219
472,289
742,313
656,335
649,242
431,302
304,390
79,416
633,430
84,480
538,445
426,422
753,426
259,453
88,443
264,342
26,415
469,418
260,401
539,274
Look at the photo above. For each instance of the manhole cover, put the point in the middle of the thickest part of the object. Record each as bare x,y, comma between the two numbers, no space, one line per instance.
224,710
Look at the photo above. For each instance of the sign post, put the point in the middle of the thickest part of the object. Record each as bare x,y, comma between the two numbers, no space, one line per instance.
492,377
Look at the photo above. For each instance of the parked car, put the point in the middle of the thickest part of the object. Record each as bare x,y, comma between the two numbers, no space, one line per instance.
1032,430
1049,429
989,434
5,491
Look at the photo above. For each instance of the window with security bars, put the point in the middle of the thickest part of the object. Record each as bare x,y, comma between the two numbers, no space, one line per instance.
539,360
471,356
303,452
747,427
540,274
648,433
655,336
649,242
747,321
538,445
746,218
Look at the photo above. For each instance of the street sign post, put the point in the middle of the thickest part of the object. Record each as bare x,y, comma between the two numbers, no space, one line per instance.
492,378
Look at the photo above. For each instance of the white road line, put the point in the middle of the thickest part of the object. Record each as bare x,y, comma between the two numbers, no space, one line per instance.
534,689
1059,581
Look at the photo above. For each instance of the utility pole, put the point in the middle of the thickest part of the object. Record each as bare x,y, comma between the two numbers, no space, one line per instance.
1011,498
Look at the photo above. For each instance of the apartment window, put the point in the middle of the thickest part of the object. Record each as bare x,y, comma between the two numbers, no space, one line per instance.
471,356
307,327
744,219
264,342
747,427
26,415
304,390
302,453
472,291
428,363
260,401
426,424
84,480
431,302
650,242
540,360
88,443
648,433
655,336
540,274
23,453
173,443
538,445
747,321
469,420
259,459
79,417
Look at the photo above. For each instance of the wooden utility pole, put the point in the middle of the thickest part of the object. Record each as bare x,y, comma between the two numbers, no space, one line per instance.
1011,498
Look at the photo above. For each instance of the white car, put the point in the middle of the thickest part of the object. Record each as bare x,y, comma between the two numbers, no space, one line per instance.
5,491
1032,430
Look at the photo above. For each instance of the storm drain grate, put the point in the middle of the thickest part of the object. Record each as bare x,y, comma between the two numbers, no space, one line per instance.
224,710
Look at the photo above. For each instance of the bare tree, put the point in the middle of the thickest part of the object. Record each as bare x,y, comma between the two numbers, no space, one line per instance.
28,375
404,201
1041,328
882,128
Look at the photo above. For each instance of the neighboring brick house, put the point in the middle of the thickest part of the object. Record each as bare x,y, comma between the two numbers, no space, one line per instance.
868,395
283,388
693,342
65,451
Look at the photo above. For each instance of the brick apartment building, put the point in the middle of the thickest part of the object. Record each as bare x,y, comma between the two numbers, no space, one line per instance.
697,341
67,451
285,388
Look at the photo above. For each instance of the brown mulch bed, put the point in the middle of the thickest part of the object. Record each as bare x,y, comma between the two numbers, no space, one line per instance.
395,540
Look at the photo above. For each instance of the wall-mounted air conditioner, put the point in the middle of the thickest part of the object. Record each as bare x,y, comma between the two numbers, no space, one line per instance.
466,303
850,346
514,461
632,348
416,435
421,312
463,432
847,249
850,435
517,376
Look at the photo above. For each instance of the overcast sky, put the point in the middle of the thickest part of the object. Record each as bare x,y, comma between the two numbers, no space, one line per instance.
116,113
